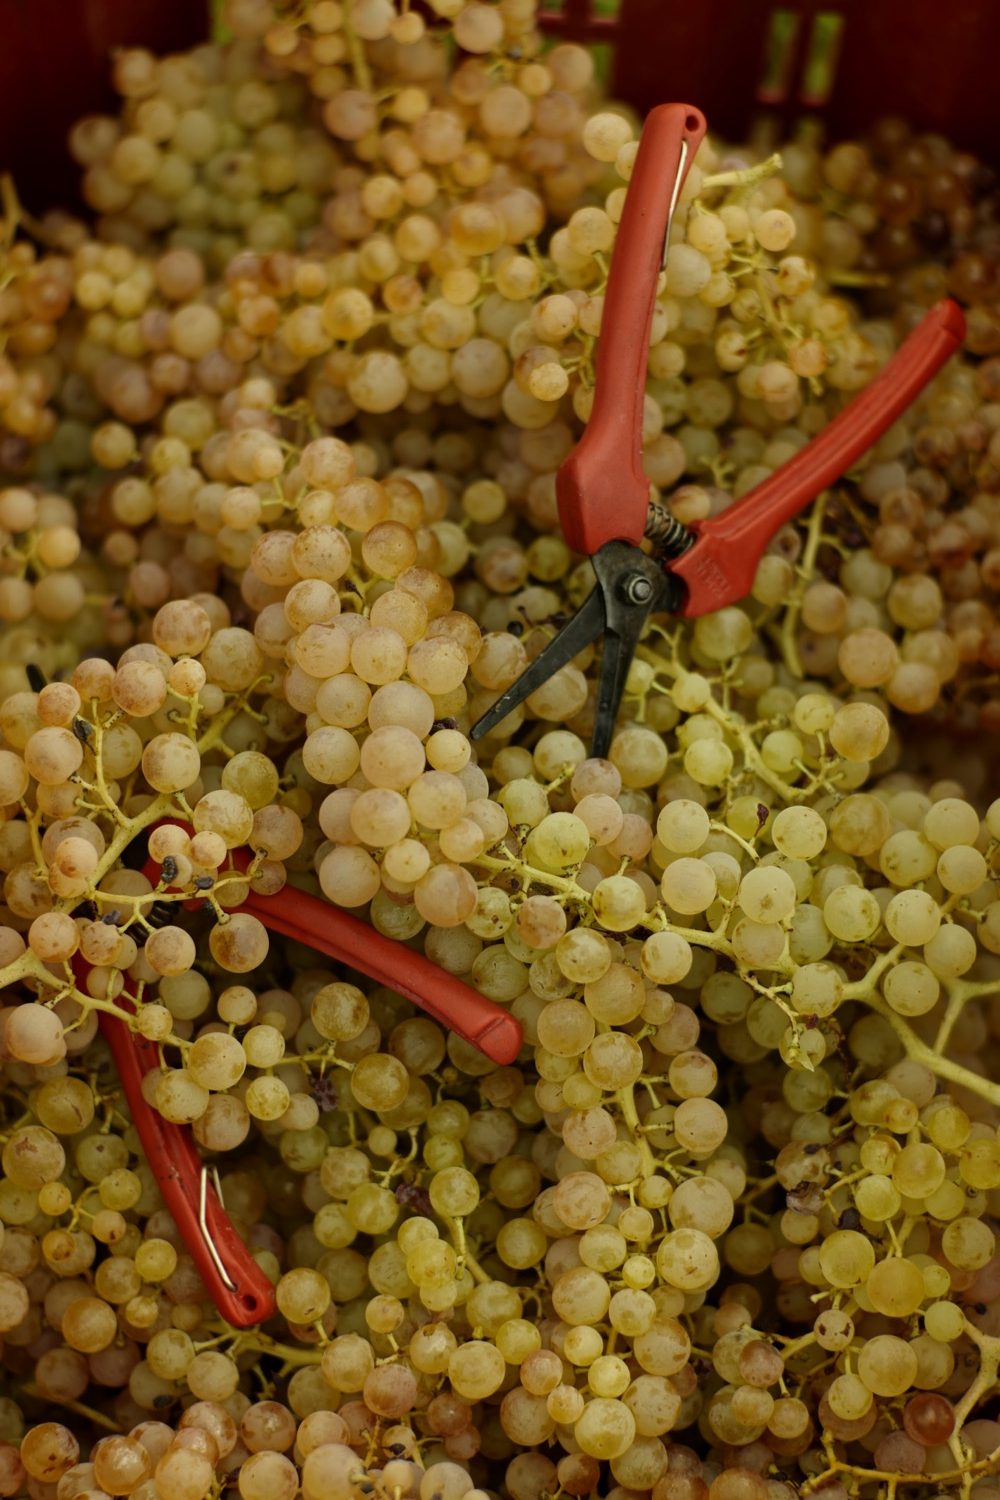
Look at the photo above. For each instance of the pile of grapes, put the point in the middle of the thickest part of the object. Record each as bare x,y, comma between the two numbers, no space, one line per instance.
279,426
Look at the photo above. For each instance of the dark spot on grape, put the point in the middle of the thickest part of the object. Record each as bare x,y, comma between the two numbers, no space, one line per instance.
804,1199
412,1196
324,1091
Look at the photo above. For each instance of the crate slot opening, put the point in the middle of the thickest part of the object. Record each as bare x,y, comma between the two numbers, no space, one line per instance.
820,70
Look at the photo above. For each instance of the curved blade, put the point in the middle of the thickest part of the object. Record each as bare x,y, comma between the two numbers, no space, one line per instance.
616,659
634,587
586,625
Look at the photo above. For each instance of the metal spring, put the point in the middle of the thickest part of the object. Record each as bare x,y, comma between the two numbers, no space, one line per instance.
669,536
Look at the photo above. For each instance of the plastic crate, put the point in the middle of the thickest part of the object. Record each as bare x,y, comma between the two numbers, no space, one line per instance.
845,62
54,68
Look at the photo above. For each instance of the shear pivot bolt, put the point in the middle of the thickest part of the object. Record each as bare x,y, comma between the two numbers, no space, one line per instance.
637,589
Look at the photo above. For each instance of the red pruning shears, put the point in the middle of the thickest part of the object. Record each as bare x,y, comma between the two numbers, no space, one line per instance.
603,499
603,493
190,1187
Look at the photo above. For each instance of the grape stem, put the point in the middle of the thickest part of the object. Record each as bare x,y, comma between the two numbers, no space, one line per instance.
456,1229
529,875
31,816
102,785
626,1103
985,1381
962,1472
919,1051
735,727
744,178
99,1418
804,573
960,991
356,51
259,1343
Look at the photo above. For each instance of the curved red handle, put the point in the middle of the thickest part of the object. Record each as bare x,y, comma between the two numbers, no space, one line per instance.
177,1166
170,1149
719,568
309,920
316,924
601,489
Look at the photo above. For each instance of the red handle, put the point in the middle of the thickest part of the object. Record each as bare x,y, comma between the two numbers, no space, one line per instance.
177,1167
719,568
315,923
602,491
309,920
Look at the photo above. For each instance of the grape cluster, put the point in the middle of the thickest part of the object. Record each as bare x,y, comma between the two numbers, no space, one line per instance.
279,431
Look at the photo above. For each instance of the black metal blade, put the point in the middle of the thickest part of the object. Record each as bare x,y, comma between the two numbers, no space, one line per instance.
586,625
616,659
634,587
